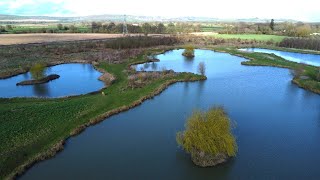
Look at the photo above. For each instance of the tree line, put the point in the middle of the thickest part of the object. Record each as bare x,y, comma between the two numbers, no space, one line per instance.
298,29
145,28
301,43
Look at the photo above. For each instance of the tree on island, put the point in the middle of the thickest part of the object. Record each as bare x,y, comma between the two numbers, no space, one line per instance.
188,51
202,68
208,137
38,71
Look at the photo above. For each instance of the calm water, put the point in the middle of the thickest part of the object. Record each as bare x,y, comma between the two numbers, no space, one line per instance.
311,59
278,128
74,79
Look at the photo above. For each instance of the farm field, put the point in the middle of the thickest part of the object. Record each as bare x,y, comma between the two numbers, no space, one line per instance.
9,39
258,37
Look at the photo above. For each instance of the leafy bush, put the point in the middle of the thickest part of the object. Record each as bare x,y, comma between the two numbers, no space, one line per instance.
37,71
209,132
188,51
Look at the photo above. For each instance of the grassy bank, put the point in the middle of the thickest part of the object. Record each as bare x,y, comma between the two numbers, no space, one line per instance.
263,59
34,129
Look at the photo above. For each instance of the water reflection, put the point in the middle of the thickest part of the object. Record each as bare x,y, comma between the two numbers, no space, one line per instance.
154,66
74,79
146,65
41,90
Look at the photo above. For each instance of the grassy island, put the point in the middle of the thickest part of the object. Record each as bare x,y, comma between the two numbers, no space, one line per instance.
208,137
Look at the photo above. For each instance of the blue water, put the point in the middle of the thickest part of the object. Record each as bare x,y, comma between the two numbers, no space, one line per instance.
311,59
278,128
75,79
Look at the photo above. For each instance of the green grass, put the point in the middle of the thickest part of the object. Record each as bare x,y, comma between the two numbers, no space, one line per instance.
38,29
30,126
211,28
257,37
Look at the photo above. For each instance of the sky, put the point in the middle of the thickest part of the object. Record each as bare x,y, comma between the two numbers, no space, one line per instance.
306,10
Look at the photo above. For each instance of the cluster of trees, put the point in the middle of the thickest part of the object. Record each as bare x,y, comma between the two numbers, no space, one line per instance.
146,28
301,43
139,42
6,28
19,30
299,29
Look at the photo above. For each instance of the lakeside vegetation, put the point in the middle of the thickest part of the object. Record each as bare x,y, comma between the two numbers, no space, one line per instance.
208,137
33,129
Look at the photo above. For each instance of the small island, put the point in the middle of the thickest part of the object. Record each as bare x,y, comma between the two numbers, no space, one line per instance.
208,137
39,81
37,72
188,52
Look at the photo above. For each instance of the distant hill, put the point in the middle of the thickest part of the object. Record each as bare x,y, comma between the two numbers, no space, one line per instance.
130,18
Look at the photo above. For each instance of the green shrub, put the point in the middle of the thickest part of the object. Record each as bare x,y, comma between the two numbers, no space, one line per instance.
38,71
209,132
188,51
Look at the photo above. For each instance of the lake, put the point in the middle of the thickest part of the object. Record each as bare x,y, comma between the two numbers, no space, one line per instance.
278,128
311,59
75,79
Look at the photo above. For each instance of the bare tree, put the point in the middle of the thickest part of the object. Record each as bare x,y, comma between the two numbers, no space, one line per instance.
202,68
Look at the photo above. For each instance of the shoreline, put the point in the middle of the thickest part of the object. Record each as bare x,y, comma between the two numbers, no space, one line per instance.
56,148
247,63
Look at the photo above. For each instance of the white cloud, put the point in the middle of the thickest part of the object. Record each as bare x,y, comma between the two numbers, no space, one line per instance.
306,10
